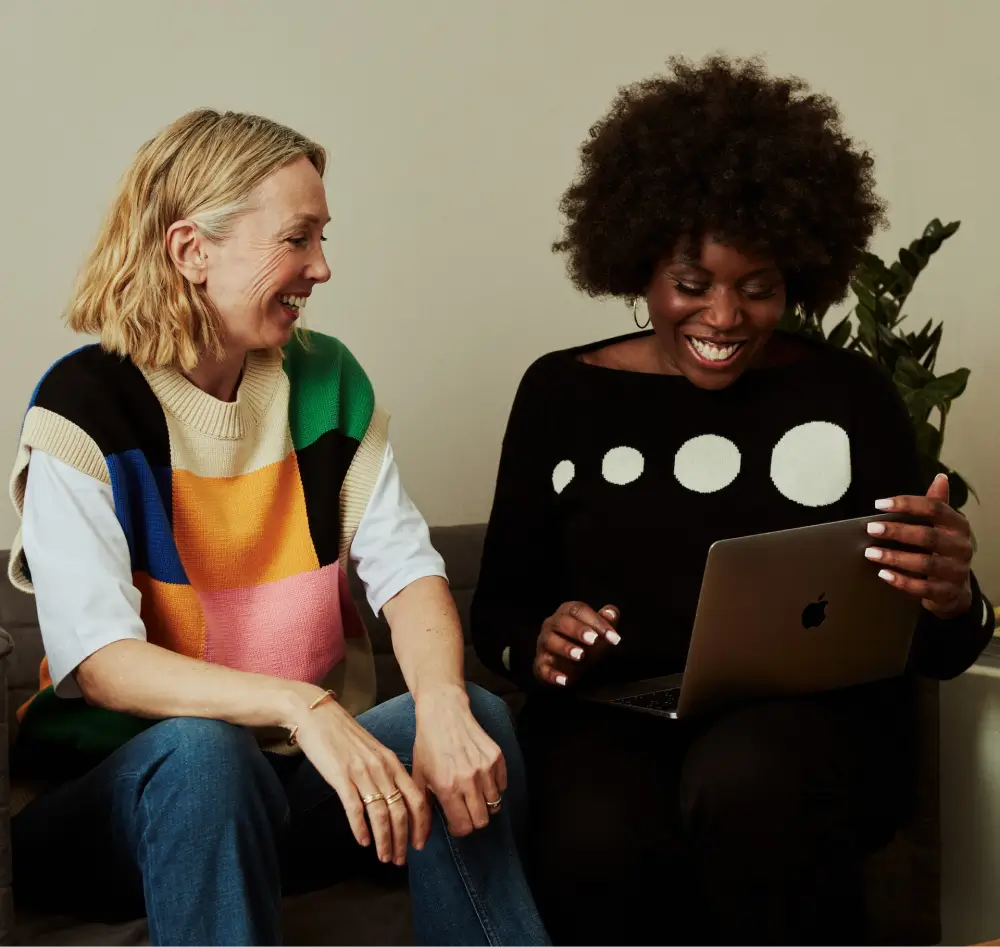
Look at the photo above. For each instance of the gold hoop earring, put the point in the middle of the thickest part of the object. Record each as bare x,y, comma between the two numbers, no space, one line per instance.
635,315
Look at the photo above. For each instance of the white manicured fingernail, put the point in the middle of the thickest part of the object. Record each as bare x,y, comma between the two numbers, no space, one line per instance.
576,653
561,680
884,504
887,576
609,613
590,636
872,553
613,636
876,529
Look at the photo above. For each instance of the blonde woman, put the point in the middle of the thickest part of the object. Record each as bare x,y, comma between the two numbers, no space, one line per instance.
192,489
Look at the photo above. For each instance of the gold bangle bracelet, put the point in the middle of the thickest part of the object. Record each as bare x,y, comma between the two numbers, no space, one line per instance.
325,696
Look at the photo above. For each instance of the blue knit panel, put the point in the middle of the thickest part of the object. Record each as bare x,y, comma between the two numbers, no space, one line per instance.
144,505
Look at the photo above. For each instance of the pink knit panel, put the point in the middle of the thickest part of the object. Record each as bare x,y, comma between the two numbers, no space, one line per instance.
291,628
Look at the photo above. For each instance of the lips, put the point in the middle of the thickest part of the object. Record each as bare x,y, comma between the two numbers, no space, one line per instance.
293,304
715,354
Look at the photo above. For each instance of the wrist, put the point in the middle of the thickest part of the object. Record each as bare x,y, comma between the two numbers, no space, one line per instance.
959,608
291,702
431,700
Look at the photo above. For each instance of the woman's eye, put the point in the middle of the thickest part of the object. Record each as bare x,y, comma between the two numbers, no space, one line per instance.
688,290
759,292
298,241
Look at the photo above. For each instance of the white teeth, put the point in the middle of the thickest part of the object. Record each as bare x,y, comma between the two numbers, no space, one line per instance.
296,302
712,351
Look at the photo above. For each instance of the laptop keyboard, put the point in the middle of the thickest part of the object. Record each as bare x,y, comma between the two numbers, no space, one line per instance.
661,701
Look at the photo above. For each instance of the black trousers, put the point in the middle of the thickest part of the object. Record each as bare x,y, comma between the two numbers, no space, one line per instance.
750,828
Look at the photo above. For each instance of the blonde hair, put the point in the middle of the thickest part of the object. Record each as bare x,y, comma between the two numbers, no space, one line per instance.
204,168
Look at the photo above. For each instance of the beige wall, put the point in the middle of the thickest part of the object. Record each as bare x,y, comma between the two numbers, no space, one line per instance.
453,127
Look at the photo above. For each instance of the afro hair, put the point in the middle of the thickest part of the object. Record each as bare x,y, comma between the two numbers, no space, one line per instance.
722,150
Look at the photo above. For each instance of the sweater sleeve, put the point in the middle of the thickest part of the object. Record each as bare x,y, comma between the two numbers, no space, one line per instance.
520,582
886,462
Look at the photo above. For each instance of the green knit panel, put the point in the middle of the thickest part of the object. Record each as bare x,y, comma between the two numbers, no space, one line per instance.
73,730
329,390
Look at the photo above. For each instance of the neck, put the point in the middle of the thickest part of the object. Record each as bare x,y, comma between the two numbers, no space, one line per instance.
219,377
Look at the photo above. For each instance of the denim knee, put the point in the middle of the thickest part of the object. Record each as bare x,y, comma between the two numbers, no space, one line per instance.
213,768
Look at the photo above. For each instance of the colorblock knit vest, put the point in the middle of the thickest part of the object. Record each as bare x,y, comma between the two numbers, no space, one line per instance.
239,517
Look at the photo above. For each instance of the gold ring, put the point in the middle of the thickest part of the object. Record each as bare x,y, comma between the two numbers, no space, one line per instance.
371,797
493,806
394,797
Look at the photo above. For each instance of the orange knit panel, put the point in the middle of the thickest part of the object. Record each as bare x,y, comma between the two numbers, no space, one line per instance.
172,615
261,529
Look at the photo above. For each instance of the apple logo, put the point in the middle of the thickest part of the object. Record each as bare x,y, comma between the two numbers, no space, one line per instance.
814,614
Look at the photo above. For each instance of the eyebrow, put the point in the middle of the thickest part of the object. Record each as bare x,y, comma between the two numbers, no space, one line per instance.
309,219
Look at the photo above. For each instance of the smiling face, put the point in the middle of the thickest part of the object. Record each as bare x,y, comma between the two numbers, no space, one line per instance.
261,274
714,310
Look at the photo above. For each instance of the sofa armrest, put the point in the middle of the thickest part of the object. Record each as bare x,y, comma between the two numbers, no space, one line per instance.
6,870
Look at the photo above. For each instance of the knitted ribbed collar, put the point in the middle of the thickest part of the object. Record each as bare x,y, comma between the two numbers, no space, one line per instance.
226,420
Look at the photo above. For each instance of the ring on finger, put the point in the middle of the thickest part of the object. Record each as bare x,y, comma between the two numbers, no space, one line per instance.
372,797
493,806
394,797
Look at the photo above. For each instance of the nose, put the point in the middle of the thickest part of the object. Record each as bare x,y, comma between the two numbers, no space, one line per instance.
317,269
723,313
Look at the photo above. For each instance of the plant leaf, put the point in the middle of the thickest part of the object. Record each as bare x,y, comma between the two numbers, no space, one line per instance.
840,333
903,281
928,439
910,262
932,347
958,490
945,389
911,373
864,294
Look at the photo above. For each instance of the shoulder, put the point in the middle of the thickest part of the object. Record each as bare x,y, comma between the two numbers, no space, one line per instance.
852,373
86,375
857,373
101,394
329,388
315,358
567,366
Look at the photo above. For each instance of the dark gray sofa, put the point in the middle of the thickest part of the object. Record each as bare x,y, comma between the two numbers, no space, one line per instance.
903,887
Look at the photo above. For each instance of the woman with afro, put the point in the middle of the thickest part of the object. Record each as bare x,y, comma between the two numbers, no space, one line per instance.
711,199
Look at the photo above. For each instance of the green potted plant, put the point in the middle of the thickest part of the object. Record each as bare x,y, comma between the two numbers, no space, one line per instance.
909,358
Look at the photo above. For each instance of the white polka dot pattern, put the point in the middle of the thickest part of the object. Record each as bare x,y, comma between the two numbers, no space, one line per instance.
623,465
811,464
562,475
707,463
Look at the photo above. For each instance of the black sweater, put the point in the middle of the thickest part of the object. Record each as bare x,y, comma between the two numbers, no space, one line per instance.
610,492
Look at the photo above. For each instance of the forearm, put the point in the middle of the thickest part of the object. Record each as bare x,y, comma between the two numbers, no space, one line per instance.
142,679
427,637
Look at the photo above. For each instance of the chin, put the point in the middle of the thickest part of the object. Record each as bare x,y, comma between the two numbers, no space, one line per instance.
276,337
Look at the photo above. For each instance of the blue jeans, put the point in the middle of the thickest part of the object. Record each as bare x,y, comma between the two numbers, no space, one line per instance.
192,822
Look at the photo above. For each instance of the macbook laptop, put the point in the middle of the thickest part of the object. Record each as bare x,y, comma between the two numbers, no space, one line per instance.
790,612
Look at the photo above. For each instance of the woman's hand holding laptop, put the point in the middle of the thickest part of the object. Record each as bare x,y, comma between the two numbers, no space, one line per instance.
570,639
937,571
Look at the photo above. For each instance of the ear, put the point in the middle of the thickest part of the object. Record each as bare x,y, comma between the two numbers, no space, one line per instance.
184,245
